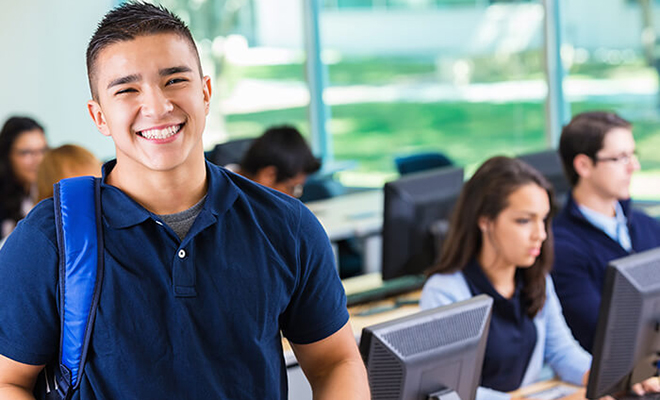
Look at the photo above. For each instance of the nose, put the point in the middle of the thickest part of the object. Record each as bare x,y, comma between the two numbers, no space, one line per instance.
634,163
39,156
539,232
155,103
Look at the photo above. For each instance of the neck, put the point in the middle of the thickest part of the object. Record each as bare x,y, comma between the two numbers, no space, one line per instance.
587,197
161,192
501,275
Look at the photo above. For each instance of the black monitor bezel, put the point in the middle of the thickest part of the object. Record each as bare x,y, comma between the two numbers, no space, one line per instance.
395,240
609,327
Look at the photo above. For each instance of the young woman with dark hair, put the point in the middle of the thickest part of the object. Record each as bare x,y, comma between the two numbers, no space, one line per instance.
22,146
499,244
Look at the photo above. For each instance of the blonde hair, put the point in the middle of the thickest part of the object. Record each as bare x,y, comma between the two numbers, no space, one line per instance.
63,162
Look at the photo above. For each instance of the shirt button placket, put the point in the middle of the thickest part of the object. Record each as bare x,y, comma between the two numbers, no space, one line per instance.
184,274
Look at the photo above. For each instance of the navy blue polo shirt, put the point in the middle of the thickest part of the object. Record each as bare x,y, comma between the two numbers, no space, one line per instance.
197,318
582,252
511,335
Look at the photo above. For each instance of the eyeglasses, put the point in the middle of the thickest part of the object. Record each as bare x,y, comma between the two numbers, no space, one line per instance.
24,153
624,159
297,190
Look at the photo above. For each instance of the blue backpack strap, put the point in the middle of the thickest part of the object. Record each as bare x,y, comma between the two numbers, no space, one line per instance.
80,245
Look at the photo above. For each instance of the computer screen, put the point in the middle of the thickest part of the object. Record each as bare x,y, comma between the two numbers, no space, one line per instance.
627,339
415,219
434,354
549,164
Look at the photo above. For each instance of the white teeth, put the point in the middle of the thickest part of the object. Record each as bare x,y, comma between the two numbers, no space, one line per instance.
160,133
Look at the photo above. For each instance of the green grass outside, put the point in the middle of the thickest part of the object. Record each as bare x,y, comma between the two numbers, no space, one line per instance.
388,70
374,133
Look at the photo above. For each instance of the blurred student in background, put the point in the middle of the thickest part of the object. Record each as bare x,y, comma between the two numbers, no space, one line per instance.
66,161
280,159
22,147
598,223
498,244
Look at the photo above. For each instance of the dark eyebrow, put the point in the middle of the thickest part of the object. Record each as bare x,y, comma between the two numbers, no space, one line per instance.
124,79
174,70
533,214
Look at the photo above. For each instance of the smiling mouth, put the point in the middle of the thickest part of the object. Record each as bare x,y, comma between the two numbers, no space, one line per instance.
161,133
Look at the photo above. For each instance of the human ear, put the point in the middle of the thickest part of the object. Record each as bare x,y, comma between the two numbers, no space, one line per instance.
96,112
583,164
266,176
206,88
483,223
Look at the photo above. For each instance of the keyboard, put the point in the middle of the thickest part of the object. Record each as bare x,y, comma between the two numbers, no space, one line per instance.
649,396
387,289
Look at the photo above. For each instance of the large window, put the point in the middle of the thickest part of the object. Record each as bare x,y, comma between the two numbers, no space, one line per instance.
617,70
255,84
409,4
466,82
409,76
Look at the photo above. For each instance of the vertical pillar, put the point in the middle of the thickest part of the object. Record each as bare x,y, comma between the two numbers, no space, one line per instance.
557,112
317,77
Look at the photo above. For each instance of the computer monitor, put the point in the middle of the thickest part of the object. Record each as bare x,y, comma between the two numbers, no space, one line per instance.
548,163
434,354
415,219
627,342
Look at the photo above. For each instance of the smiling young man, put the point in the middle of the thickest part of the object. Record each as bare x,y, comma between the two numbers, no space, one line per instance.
203,268
597,223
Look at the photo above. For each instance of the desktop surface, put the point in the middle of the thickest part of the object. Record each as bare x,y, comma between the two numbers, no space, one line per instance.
350,215
402,305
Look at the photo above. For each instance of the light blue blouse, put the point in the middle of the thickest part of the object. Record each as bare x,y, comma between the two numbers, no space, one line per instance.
555,345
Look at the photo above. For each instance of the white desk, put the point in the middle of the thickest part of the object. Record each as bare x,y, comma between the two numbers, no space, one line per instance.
358,215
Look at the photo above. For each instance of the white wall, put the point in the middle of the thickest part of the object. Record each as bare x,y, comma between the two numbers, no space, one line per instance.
589,24
42,67
451,31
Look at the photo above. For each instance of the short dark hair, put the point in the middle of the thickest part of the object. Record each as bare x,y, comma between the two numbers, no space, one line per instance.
486,194
284,148
131,20
585,135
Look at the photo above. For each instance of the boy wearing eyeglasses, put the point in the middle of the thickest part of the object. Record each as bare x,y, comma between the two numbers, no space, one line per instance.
597,223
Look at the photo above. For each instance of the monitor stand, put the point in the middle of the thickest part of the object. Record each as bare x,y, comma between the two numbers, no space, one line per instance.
444,394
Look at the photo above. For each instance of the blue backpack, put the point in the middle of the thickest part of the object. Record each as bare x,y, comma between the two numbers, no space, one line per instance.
80,245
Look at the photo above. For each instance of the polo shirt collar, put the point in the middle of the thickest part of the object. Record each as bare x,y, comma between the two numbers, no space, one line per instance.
478,277
121,211
604,222
574,210
222,191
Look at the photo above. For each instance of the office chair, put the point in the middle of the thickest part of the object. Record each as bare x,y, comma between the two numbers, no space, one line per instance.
421,162
548,163
321,188
230,152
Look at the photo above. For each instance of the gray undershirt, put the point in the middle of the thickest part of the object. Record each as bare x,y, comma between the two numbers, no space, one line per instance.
182,221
